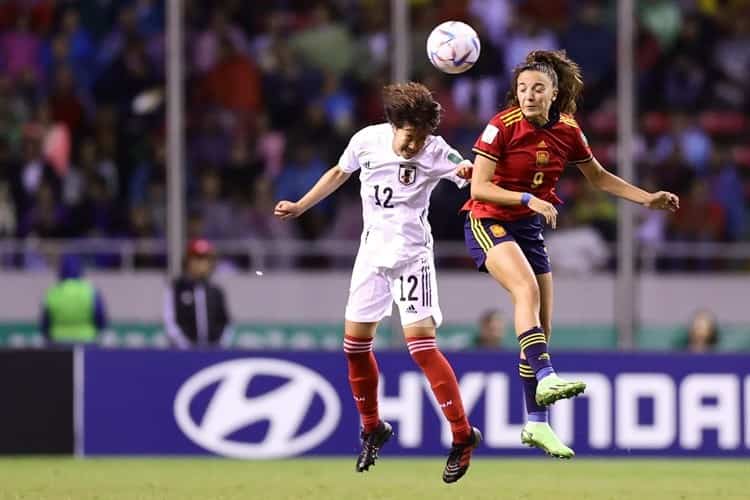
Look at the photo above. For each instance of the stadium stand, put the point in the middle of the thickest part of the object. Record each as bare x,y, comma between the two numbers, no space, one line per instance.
81,156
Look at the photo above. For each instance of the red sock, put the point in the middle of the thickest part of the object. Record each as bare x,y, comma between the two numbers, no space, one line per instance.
444,385
363,378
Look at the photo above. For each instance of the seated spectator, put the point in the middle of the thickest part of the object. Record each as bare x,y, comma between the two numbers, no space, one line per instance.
234,83
491,330
703,332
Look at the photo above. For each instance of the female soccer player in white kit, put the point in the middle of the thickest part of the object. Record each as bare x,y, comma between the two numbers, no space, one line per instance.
400,163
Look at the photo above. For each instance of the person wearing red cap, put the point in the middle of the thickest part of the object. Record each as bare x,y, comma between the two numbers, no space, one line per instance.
195,309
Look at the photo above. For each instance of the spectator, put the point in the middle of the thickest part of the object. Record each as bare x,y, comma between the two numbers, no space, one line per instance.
527,35
662,18
700,218
590,41
326,43
287,84
7,212
215,208
234,83
82,51
268,75
64,102
73,310
207,46
127,77
703,332
113,43
298,175
491,330
195,310
20,50
482,84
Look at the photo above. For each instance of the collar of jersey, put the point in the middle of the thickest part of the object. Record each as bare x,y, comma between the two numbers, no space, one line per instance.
554,117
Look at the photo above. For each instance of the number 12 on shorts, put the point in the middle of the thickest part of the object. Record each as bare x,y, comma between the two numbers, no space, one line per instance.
411,281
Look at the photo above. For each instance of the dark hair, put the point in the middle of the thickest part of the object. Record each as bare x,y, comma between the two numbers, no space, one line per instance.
411,104
563,71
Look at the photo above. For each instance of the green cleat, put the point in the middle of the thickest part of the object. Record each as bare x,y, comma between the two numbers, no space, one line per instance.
540,435
552,388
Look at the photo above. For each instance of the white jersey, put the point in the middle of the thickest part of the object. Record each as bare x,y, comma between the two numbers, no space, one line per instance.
396,192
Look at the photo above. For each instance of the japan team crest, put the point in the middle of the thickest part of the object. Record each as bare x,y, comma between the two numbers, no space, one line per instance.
407,173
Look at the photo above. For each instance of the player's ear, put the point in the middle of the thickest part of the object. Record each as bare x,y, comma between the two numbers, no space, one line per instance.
554,95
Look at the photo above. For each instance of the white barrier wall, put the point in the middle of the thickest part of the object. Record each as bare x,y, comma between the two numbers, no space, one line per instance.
320,297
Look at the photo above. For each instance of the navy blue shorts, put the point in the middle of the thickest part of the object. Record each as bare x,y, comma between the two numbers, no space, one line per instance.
483,234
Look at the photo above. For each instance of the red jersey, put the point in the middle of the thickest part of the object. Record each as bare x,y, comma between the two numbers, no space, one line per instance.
527,159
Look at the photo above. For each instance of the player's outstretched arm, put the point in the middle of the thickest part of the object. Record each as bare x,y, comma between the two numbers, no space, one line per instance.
483,189
609,182
327,184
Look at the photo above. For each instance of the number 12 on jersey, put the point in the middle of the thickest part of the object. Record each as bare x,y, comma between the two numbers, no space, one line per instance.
387,195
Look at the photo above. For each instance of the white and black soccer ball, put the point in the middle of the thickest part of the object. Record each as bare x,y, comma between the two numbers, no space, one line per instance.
453,47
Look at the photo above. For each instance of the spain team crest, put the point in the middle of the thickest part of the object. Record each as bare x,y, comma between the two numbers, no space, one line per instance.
542,158
407,173
497,230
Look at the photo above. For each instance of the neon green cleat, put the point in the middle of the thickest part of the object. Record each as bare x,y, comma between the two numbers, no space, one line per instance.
540,435
552,388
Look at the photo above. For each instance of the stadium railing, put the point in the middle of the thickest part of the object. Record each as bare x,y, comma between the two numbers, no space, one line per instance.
124,254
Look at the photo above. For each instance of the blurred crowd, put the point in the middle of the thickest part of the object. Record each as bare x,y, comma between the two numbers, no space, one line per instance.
275,89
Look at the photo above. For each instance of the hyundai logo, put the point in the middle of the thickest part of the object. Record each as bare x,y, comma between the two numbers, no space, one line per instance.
284,408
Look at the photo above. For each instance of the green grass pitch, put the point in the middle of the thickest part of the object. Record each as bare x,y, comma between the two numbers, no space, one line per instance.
392,479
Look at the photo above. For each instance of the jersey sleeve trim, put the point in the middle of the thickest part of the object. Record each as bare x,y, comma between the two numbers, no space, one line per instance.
510,114
569,120
485,154
587,159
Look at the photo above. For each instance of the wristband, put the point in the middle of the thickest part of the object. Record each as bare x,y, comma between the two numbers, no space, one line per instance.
525,199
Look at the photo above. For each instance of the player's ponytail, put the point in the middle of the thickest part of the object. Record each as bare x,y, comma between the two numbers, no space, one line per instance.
563,71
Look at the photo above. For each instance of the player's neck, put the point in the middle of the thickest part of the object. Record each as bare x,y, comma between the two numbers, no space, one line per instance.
538,120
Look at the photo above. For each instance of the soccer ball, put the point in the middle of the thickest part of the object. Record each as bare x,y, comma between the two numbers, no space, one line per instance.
453,47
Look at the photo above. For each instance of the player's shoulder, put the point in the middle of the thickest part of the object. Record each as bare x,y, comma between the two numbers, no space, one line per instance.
502,124
568,125
437,147
372,133
568,121
436,143
507,117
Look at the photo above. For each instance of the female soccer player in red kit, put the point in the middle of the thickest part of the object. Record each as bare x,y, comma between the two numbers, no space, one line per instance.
519,158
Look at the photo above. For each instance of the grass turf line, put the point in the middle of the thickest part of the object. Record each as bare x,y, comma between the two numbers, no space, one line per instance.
391,478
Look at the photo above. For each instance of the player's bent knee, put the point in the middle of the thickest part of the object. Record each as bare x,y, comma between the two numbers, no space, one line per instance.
359,329
422,328
525,292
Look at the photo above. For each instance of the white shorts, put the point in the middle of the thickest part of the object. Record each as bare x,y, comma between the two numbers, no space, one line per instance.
412,286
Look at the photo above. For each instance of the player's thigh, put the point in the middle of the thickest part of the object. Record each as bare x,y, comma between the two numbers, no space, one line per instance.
546,295
508,265
414,290
369,300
